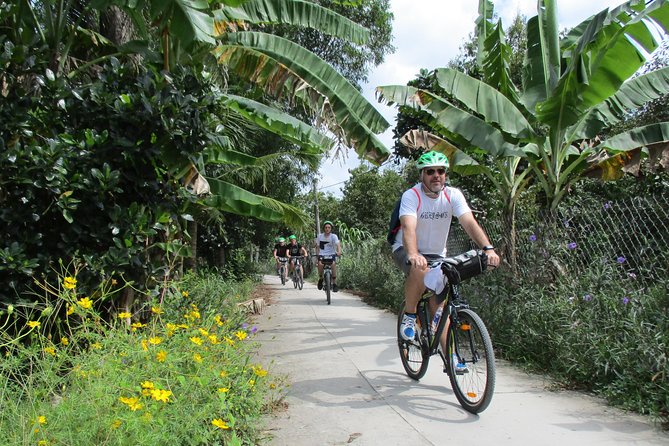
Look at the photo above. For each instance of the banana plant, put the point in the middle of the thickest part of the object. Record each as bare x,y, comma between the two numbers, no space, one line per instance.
573,88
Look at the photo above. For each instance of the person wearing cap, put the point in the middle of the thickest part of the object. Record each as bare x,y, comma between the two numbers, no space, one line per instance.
295,250
327,245
280,250
426,211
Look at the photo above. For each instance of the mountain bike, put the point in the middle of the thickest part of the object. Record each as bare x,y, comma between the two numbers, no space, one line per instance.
298,274
283,269
327,275
469,359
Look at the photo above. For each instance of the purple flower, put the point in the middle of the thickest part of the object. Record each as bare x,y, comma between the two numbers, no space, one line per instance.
254,329
607,205
626,300
587,298
620,259
533,238
572,245
245,326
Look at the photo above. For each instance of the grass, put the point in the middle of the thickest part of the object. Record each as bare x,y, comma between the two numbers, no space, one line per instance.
182,374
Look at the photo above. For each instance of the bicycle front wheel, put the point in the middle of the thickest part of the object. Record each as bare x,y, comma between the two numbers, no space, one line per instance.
470,341
283,275
295,279
300,279
326,286
414,354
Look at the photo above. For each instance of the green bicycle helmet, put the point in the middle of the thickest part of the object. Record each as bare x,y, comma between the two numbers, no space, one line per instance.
292,237
281,239
328,222
432,159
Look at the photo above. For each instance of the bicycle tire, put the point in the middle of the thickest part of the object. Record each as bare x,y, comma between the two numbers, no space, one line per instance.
415,355
300,279
473,389
326,286
295,278
283,275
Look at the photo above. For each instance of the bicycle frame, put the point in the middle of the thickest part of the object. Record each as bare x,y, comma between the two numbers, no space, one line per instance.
450,313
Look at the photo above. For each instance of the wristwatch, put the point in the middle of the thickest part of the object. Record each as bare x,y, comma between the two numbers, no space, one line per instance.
488,248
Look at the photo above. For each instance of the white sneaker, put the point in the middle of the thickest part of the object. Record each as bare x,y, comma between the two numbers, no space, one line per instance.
408,327
460,367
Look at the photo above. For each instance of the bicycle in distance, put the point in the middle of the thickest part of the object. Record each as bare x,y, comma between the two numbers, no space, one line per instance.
283,269
327,274
447,326
298,273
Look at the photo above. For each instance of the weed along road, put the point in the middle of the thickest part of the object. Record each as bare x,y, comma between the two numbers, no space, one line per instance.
347,386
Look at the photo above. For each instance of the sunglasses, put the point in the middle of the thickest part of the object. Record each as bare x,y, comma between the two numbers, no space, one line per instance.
432,171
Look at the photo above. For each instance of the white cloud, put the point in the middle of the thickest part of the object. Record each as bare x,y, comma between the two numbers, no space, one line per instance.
428,34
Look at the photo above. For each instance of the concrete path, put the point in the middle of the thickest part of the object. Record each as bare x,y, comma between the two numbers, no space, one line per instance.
347,386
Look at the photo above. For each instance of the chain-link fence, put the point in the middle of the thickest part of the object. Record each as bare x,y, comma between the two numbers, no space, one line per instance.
632,234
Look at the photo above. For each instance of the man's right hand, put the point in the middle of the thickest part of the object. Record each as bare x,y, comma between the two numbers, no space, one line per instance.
417,261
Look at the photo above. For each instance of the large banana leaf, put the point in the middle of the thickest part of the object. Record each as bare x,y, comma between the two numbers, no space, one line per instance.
631,95
449,118
486,101
606,54
282,124
293,12
459,161
230,198
637,137
282,66
484,25
542,67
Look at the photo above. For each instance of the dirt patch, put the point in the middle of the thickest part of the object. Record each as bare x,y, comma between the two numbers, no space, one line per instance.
264,292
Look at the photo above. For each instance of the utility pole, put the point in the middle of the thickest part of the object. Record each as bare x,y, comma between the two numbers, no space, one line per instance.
318,219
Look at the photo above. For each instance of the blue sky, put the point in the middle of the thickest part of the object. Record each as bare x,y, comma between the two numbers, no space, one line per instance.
427,34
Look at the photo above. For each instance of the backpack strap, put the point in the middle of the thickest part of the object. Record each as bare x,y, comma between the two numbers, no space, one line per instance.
447,197
418,196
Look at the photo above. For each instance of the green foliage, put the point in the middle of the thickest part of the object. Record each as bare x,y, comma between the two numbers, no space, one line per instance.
182,375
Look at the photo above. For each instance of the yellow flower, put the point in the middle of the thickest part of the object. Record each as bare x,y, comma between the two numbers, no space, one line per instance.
218,320
64,340
42,442
223,389
197,358
213,339
124,315
70,309
33,324
136,325
148,385
155,340
241,334
229,341
161,356
252,382
69,283
50,350
196,340
195,314
85,303
259,371
272,386
114,282
223,374
41,419
184,326
116,424
184,293
96,346
145,345
133,403
220,423
203,332
160,395
156,310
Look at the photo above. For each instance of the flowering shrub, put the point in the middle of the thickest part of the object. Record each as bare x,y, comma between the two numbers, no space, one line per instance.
183,379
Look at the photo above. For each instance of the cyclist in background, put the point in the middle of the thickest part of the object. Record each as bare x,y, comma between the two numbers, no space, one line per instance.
426,212
327,244
280,250
295,250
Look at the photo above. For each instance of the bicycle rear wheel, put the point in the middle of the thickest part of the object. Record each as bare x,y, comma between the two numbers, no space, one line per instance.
414,354
470,339
326,285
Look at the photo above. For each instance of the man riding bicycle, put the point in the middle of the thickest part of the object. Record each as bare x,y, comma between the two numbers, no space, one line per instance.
280,251
295,250
327,245
426,211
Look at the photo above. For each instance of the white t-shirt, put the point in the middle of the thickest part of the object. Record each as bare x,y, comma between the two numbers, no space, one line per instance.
327,245
433,217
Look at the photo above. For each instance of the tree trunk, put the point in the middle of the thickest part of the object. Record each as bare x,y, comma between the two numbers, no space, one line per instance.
191,262
117,26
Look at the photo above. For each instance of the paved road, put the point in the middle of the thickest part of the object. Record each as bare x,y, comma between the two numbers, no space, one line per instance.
348,387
